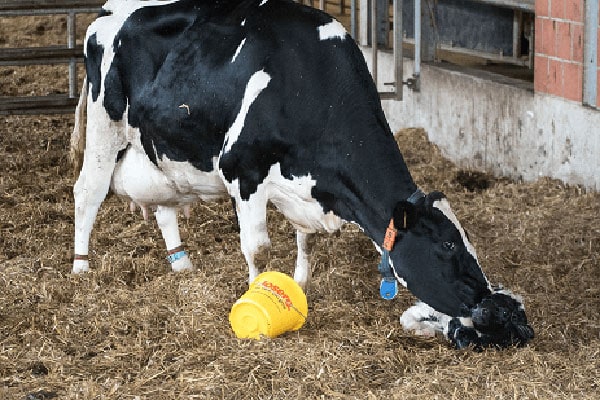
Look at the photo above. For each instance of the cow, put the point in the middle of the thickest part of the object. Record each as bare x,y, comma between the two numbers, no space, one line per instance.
260,101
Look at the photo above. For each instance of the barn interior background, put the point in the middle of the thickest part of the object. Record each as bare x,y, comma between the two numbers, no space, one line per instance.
521,104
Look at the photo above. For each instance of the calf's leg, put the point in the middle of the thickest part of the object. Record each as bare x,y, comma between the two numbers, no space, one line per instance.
302,273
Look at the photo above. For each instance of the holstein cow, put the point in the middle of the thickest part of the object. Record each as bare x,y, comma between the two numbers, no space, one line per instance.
263,101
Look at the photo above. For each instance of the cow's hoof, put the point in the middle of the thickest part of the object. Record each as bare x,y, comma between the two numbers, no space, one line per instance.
183,264
80,266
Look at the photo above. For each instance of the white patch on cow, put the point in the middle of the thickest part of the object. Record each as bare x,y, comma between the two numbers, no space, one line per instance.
189,180
293,198
263,2
243,22
256,84
171,183
332,30
444,207
237,51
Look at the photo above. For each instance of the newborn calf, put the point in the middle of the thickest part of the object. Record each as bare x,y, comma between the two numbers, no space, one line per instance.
498,321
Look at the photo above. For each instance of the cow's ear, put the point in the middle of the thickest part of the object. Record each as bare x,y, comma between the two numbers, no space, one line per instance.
432,198
405,215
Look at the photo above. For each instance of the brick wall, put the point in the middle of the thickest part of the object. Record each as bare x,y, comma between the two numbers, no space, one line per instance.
559,48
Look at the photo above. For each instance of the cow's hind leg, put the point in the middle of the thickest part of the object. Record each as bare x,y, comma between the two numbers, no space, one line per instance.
89,192
166,217
252,218
104,138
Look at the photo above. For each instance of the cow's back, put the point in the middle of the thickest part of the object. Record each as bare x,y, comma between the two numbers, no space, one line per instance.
182,69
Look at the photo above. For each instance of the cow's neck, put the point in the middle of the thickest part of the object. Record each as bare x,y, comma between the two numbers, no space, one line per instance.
374,220
368,194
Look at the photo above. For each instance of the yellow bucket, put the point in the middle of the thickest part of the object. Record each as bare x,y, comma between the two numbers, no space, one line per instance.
273,304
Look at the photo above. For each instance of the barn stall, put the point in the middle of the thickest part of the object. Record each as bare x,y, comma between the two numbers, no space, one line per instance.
132,329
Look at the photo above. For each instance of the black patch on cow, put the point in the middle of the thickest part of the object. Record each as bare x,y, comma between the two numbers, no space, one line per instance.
172,68
92,63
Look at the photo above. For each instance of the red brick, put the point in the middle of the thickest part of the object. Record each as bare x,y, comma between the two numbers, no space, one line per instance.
577,42
557,8
572,81
574,10
548,37
539,34
541,8
540,74
555,81
563,40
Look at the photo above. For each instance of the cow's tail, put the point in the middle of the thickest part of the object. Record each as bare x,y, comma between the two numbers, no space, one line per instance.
78,135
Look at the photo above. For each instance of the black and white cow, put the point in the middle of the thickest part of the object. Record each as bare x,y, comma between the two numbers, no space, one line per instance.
263,101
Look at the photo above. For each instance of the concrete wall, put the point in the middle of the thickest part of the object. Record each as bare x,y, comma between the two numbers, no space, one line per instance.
492,123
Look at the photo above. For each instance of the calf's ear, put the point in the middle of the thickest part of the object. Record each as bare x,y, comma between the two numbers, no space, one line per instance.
405,215
525,332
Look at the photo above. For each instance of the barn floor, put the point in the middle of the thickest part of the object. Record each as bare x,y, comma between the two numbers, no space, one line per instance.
130,329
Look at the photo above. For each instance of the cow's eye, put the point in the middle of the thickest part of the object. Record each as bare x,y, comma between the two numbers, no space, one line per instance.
449,245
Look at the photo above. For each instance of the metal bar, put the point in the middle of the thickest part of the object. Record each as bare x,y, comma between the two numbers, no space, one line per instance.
71,39
525,5
590,55
417,70
397,43
353,20
374,40
47,4
47,11
52,104
39,55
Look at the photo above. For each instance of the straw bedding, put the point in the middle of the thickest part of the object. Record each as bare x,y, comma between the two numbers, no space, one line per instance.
131,329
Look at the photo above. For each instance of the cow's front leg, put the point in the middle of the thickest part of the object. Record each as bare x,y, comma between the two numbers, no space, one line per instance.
252,218
303,271
166,217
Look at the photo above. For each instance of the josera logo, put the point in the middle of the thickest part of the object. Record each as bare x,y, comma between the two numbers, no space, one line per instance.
279,292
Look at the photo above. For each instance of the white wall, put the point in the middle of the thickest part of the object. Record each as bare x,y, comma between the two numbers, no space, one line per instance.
498,125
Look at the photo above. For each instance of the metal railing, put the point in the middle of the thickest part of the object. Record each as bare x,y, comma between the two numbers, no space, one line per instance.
70,54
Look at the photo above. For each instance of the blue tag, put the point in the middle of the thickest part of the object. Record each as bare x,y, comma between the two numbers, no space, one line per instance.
176,256
388,288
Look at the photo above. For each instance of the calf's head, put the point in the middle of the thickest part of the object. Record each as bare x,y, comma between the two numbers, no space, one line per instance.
433,257
498,321
502,317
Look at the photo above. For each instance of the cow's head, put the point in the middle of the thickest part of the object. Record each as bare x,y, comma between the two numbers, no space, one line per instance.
434,258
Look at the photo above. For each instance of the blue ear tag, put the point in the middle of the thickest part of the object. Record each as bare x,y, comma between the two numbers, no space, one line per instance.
388,288
389,285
